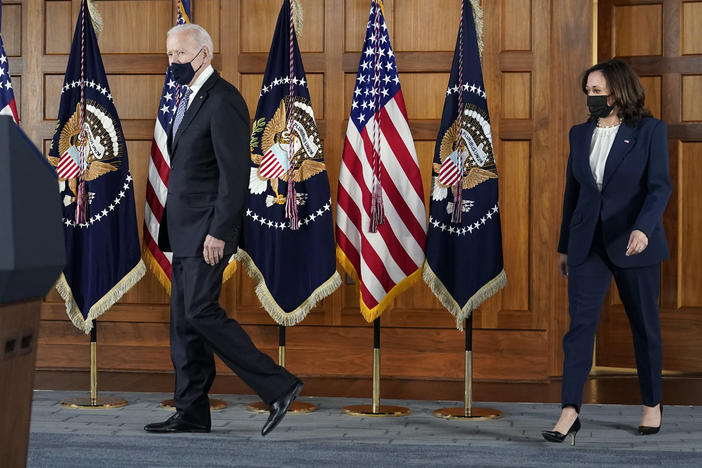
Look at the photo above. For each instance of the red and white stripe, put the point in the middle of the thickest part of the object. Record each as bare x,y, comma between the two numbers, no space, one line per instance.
270,167
156,193
385,258
68,167
11,110
449,173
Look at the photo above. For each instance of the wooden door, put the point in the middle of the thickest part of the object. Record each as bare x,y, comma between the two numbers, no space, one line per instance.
662,41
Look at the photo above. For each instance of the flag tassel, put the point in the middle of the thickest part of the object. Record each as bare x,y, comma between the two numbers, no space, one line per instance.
377,213
456,216
291,199
82,203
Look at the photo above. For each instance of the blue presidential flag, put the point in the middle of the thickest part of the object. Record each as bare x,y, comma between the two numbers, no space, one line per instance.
288,238
464,245
96,189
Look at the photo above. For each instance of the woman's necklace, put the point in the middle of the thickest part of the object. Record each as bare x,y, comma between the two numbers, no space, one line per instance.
601,125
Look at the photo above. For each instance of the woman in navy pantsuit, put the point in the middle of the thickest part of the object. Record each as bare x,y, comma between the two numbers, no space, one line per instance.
617,187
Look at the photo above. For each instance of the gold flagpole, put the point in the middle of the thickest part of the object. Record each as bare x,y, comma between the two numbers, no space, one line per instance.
375,409
468,412
93,402
297,407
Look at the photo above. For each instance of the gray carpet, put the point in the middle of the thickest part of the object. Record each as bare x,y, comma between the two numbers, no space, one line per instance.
62,437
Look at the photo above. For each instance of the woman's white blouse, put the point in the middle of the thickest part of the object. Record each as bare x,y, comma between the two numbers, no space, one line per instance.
602,139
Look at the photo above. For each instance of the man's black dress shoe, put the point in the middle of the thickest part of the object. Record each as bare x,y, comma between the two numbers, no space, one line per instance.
280,407
175,424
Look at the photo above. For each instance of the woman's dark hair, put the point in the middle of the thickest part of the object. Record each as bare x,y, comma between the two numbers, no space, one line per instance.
625,87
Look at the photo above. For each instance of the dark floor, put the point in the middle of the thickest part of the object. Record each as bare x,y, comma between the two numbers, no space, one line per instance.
67,437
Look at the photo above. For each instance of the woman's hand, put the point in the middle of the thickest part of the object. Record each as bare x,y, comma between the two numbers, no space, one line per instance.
563,264
637,243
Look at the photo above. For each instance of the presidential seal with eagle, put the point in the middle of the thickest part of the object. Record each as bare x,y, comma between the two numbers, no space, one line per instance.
271,150
466,154
100,145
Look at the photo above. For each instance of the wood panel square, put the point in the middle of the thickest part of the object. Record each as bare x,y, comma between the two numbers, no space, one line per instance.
515,189
58,27
652,86
691,28
427,26
12,29
516,25
356,16
136,96
424,94
135,26
690,225
516,95
638,30
425,156
52,95
259,17
207,13
692,98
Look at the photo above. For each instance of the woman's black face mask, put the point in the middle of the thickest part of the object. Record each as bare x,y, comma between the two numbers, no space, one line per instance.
598,106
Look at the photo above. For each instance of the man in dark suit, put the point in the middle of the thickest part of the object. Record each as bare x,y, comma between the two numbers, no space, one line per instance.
201,224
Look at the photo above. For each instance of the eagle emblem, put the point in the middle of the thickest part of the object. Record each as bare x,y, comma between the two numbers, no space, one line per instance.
100,145
465,153
274,161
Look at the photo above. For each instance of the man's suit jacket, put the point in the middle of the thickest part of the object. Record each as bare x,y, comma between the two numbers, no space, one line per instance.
208,182
635,190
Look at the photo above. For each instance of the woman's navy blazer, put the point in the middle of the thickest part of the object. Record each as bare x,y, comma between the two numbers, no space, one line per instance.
635,190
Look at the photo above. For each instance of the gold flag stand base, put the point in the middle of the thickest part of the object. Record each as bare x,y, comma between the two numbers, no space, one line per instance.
382,411
93,401
215,404
475,414
297,407
99,403
468,412
376,410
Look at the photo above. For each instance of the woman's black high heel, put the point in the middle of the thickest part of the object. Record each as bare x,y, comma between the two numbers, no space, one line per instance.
649,430
555,436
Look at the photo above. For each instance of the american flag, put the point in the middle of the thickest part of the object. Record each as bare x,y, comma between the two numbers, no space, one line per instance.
159,169
379,155
7,97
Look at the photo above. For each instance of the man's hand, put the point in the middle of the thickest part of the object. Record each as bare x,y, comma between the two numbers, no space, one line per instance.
213,250
637,243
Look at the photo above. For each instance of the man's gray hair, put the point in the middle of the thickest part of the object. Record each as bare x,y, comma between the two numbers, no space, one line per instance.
201,36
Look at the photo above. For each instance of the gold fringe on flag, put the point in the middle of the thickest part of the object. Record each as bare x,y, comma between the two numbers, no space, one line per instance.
297,18
478,19
96,17
287,319
102,305
155,268
399,288
461,313
183,13
229,270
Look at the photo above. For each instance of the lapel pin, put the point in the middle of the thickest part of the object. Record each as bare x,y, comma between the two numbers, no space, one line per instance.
626,141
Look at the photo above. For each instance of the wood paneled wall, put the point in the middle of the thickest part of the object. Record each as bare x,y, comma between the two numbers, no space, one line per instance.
534,52
668,57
